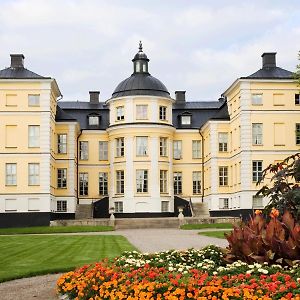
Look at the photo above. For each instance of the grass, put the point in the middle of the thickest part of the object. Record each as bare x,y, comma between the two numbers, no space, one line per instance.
54,229
205,226
215,234
25,256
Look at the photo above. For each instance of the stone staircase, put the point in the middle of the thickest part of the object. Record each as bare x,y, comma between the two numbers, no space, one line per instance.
200,210
83,211
138,223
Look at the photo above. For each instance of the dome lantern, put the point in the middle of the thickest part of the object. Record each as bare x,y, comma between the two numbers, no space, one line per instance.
140,61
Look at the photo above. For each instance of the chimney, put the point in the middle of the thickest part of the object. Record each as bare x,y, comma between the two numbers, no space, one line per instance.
180,96
269,60
94,97
17,60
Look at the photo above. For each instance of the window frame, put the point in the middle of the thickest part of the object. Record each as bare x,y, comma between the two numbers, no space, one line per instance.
103,183
178,149
120,113
257,137
83,150
196,149
141,114
103,150
142,182
225,202
184,123
62,146
11,177
34,140
120,147
94,118
297,134
254,96
62,178
196,182
61,206
119,207
162,113
165,206
33,178
120,182
142,148
36,96
83,184
223,176
163,146
177,183
297,99
163,181
223,142
257,168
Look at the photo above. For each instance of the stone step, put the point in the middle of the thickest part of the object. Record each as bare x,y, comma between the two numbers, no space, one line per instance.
146,223
200,210
83,211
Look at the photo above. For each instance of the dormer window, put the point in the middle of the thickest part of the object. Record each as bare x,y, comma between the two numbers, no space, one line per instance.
186,119
93,120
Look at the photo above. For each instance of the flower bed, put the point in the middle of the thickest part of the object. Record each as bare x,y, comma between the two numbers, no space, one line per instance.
191,274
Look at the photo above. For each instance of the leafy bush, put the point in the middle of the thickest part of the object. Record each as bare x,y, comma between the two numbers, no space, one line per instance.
273,242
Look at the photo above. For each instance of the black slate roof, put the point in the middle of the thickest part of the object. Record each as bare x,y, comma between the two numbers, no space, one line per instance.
141,84
270,73
19,73
61,115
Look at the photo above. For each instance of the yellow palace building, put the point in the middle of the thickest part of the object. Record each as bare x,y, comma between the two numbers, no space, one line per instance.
141,153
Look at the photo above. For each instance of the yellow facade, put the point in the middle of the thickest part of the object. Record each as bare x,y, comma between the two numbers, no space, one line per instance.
138,151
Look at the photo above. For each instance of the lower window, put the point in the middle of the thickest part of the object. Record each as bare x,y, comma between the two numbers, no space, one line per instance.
61,206
257,202
224,203
164,206
118,206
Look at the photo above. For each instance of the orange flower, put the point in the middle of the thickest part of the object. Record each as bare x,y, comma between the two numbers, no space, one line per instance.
274,213
258,212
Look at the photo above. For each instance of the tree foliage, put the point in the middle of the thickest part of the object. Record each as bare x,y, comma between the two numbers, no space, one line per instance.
284,194
297,72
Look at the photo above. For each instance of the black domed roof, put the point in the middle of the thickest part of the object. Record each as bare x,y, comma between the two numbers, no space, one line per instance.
141,82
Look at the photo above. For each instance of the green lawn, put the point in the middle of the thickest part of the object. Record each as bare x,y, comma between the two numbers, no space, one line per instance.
24,256
216,234
204,226
54,229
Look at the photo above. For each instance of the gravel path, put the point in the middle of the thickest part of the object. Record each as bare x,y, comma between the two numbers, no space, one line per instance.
146,240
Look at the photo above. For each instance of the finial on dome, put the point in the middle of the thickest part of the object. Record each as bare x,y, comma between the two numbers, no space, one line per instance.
140,47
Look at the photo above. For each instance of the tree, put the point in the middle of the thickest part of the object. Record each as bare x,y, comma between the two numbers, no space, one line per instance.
285,192
297,72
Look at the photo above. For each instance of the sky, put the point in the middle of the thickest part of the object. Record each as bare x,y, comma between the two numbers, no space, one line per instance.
197,46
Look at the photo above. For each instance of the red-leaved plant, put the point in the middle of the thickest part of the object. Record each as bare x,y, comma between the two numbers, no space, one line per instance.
274,241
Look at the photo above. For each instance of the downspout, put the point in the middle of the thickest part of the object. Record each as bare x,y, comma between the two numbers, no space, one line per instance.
77,166
202,152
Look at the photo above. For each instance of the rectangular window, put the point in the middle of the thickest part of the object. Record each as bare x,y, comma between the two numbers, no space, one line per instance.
142,112
11,100
186,120
83,184
279,134
103,150
224,203
120,147
84,150
256,99
257,202
278,99
163,146
177,183
257,133
33,204
141,146
103,183
120,181
223,141
163,180
196,182
10,204
196,148
164,206
142,181
93,120
61,178
118,206
11,132
33,100
223,176
62,143
297,99
34,136
61,206
297,133
163,113
11,174
33,174
177,149
256,170
120,113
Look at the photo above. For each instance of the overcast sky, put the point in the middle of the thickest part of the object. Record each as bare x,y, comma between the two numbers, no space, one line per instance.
197,46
